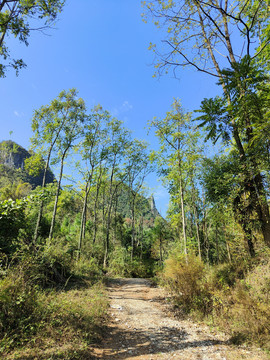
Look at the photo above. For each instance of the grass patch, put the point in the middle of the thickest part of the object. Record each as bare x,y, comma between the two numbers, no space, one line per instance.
233,297
64,326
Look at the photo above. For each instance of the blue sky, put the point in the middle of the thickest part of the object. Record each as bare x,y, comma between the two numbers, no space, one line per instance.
101,48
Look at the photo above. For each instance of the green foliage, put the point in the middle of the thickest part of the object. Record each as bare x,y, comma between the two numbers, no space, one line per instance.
220,178
20,166
118,262
87,268
16,17
54,264
29,316
34,164
227,274
20,310
121,264
12,222
139,268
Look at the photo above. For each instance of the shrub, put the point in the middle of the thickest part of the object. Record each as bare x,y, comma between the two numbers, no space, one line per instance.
138,268
88,268
55,320
120,264
185,280
20,310
244,309
55,263
229,273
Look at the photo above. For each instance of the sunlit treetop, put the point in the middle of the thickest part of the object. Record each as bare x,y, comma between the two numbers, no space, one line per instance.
208,35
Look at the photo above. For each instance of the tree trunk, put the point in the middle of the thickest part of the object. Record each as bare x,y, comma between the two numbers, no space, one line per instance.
183,216
83,220
96,205
44,182
262,208
228,251
132,226
40,212
217,245
160,250
57,195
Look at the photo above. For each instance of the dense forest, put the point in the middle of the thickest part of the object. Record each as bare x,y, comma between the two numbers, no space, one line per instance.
75,207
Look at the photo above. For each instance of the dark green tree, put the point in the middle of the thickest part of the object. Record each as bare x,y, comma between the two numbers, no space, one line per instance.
237,119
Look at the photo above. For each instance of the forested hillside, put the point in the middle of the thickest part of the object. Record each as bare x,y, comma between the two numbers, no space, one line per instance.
13,164
76,208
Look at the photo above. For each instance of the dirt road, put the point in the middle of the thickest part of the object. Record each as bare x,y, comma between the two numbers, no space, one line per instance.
142,329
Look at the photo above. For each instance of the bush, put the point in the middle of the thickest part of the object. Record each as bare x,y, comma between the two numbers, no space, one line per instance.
228,274
20,310
185,279
120,264
244,309
39,320
234,296
88,268
138,268
55,264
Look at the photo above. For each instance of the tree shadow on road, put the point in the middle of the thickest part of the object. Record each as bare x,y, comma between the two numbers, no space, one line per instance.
124,344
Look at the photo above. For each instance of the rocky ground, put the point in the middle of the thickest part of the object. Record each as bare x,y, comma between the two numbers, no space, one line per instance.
142,328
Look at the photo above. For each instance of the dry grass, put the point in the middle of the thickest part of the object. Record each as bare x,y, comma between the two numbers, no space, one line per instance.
233,297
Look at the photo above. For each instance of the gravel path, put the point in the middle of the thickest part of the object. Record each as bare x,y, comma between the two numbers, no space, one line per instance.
141,329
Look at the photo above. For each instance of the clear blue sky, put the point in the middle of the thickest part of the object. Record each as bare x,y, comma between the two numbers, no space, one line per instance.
101,48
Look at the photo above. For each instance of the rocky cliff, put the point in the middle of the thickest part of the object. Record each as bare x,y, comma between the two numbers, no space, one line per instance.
12,158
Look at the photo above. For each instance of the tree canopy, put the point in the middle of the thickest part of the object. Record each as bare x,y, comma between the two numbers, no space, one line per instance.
18,18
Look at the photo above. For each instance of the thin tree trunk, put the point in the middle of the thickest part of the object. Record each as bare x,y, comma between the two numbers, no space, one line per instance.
197,233
228,251
57,195
83,220
195,211
44,182
95,209
132,226
40,212
217,245
160,250
183,216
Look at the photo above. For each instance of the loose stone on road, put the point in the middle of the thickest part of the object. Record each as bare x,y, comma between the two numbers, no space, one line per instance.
142,329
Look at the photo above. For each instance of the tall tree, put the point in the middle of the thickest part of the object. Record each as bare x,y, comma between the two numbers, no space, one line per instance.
71,110
137,169
49,124
178,141
247,87
211,35
118,143
93,153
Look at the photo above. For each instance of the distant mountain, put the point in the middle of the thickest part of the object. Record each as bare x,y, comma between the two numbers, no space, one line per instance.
147,205
12,169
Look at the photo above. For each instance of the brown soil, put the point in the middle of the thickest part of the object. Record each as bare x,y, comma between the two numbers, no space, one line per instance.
141,328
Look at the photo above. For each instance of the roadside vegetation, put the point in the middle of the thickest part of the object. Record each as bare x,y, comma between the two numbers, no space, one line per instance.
76,207
233,297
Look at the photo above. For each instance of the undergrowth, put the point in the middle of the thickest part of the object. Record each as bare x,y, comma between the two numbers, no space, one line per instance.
51,307
235,297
